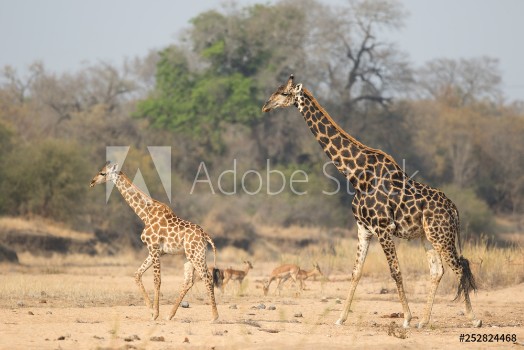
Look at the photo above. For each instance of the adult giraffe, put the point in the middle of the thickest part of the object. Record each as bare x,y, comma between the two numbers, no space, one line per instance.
387,203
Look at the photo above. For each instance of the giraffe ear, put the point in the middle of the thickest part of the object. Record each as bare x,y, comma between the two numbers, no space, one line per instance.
298,88
289,83
113,167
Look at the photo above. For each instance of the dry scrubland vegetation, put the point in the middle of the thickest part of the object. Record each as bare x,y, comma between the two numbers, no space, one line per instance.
72,279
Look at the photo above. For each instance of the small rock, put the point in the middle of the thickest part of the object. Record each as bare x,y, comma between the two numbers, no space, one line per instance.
384,291
185,304
272,307
338,301
132,338
324,300
261,306
30,313
298,314
61,338
234,306
43,301
20,304
159,338
186,340
460,313
49,313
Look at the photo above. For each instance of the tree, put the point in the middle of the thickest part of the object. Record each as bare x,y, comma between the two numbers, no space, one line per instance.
460,82
350,56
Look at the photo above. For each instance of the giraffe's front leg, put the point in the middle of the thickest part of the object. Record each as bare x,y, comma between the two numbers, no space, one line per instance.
156,271
384,237
138,278
364,237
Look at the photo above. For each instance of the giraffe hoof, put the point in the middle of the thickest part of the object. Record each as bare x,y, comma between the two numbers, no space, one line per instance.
477,323
339,322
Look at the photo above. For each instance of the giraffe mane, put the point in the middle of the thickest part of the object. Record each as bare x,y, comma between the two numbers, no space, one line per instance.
343,132
136,188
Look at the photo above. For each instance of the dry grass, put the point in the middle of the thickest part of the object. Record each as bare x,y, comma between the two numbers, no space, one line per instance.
41,226
60,277
493,267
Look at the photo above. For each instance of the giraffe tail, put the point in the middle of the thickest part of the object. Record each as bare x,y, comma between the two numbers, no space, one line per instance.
217,275
210,241
467,281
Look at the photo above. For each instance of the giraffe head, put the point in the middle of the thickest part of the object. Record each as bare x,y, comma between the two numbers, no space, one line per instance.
108,172
286,95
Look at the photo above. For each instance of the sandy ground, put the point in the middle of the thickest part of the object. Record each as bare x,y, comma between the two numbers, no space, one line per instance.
100,308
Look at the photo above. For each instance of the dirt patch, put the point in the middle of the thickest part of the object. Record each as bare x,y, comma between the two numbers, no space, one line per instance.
100,307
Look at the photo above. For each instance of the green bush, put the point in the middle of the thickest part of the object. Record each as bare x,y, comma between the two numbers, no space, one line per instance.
47,178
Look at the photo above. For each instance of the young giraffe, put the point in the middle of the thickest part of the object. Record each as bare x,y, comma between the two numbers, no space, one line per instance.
164,233
387,203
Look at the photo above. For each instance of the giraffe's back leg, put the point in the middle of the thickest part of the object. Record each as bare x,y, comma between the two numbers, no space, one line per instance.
436,270
202,270
188,283
442,235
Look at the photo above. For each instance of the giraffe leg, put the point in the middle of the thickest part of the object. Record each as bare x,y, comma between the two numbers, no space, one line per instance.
364,237
156,279
208,281
188,283
138,278
391,254
436,271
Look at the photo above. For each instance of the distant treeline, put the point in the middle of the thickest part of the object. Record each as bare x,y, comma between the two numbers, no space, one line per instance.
447,121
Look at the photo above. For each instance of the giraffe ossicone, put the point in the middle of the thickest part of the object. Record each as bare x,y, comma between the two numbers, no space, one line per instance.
164,233
387,204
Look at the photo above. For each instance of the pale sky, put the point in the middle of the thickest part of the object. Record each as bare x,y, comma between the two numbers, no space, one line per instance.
65,34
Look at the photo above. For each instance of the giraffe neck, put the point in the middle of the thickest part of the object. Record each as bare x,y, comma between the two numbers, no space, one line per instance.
348,154
137,200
